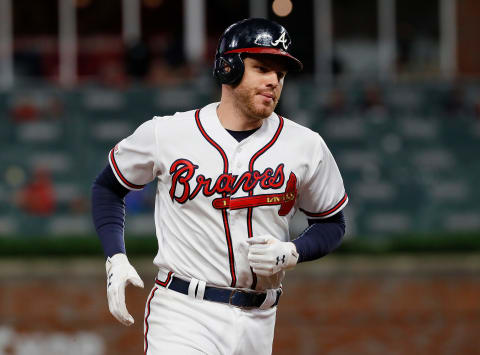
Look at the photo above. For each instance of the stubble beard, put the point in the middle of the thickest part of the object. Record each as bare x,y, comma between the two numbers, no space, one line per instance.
245,100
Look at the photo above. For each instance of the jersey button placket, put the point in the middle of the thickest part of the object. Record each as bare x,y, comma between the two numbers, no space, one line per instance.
237,165
238,159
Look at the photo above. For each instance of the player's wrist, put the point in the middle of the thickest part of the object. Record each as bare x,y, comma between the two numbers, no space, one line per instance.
117,259
292,256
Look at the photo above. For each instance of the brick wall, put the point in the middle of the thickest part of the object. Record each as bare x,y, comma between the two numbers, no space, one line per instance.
339,305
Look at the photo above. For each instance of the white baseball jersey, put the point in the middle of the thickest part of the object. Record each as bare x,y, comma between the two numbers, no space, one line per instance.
215,192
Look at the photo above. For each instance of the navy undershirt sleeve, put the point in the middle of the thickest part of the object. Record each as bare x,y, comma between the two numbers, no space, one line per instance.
321,237
108,211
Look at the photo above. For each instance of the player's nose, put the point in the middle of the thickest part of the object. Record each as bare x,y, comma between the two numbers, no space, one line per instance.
272,79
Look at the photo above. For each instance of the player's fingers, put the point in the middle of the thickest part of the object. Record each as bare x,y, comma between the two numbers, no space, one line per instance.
259,248
259,258
263,272
111,300
257,240
261,267
123,316
114,303
125,319
122,312
135,280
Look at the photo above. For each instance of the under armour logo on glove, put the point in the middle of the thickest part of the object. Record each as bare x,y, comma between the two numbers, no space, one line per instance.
267,255
109,280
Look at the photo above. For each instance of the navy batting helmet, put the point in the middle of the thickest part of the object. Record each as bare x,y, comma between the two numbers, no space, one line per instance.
255,35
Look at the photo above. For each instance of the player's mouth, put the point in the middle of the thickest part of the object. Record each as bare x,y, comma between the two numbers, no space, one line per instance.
268,96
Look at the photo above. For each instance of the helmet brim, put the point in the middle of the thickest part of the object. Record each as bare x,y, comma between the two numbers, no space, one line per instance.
293,63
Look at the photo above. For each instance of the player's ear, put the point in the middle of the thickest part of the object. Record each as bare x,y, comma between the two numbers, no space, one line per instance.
229,68
225,67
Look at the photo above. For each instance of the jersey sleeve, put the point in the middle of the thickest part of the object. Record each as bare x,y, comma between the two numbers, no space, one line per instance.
322,194
134,159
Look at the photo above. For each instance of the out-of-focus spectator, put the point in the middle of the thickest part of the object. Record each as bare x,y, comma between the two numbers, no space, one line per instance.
337,66
163,74
454,103
372,100
54,108
37,197
25,110
336,103
112,75
160,73
476,108
169,66
28,62
137,59
28,108
174,53
406,34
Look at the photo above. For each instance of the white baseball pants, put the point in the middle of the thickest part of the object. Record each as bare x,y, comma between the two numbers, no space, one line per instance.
177,324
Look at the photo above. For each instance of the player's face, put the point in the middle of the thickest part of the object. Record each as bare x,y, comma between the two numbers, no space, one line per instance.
258,93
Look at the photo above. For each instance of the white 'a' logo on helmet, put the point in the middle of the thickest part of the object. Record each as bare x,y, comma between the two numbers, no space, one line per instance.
283,40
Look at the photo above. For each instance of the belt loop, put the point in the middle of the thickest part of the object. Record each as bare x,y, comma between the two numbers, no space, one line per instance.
192,288
200,290
270,299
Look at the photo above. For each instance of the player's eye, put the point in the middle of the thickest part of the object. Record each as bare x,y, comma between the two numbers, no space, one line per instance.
261,68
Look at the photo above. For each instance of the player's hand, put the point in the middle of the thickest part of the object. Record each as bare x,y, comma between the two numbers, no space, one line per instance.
119,273
267,255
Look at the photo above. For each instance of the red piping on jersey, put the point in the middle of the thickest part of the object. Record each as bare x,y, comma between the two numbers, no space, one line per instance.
330,211
167,280
146,319
250,193
228,237
119,174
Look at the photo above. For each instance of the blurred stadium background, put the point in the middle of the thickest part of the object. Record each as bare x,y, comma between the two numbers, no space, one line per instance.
392,86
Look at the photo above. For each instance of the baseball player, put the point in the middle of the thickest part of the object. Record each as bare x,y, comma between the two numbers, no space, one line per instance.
230,176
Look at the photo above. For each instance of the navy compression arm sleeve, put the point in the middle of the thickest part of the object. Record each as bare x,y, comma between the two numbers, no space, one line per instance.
321,237
108,211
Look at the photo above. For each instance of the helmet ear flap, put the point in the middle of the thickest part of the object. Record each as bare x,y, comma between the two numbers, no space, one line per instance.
229,68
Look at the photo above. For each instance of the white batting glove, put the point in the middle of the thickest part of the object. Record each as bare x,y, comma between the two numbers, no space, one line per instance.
119,273
267,255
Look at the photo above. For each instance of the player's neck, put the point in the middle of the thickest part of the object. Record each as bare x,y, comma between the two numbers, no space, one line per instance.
232,118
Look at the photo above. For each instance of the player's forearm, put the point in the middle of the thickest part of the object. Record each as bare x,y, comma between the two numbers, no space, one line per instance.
108,212
320,238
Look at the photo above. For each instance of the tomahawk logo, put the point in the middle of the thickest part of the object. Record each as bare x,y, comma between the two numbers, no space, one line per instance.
283,40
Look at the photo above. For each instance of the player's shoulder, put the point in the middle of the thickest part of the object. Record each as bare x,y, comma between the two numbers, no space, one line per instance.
177,122
297,130
187,119
176,117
